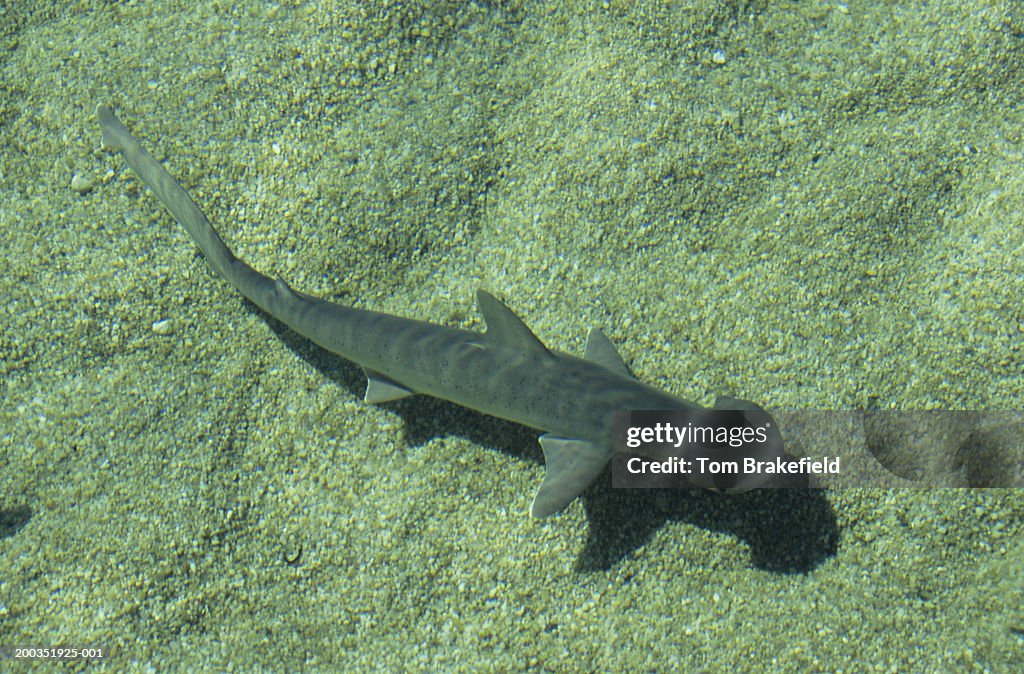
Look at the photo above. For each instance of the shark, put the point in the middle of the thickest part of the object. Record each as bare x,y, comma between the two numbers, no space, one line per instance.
505,371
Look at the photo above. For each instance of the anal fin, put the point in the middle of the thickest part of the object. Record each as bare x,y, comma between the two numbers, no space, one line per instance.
380,389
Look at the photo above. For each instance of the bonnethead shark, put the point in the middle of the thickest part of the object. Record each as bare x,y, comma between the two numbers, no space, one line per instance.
505,371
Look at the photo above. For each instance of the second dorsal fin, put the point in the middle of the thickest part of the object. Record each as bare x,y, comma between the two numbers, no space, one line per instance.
600,350
504,328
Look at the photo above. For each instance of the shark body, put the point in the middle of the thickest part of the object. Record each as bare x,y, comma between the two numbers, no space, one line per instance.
505,371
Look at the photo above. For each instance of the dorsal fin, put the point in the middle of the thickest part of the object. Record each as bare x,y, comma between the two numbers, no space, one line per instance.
600,350
730,403
504,328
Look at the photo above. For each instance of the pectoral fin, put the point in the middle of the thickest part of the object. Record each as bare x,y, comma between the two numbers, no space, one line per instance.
571,465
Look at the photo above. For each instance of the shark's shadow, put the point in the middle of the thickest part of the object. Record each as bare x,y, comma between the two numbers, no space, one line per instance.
788,530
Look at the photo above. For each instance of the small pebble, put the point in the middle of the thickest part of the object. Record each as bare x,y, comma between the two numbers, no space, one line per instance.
80,183
164,327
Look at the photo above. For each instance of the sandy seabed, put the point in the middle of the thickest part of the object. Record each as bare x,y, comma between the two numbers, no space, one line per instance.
809,205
